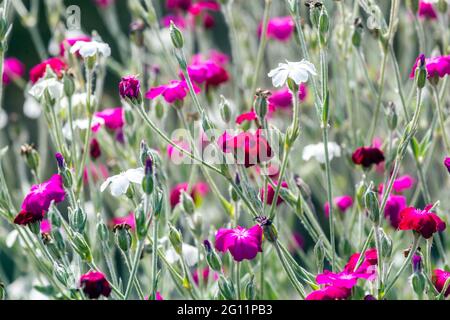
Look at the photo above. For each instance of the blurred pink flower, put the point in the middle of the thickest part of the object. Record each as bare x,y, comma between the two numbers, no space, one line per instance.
394,205
271,193
426,10
279,28
436,66
198,191
13,69
129,220
175,91
38,71
342,203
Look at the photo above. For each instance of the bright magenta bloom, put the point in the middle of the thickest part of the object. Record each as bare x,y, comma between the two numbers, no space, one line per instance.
403,183
38,71
439,278
129,220
279,28
210,70
367,266
129,87
248,116
197,8
342,203
394,205
46,226
94,285
330,293
436,66
114,118
423,221
13,68
447,163
367,156
38,200
426,10
198,191
271,193
176,90
179,21
341,279
241,242
283,98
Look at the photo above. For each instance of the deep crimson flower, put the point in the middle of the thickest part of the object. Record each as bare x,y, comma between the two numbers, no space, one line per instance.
367,156
114,118
436,66
178,4
439,278
271,193
423,221
27,217
366,267
69,42
330,293
279,28
447,163
13,69
38,71
208,21
342,203
94,284
129,87
175,91
198,191
241,242
94,149
426,10
394,205
248,116
39,198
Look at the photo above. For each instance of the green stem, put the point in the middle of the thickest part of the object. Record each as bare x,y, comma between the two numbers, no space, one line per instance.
441,118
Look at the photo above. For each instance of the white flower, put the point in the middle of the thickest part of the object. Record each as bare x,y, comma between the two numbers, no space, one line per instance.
82,124
78,100
190,254
90,49
31,108
318,151
54,87
119,184
3,118
297,71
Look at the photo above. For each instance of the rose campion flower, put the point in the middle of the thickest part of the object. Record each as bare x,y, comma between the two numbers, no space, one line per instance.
183,5
173,92
13,69
436,66
439,278
56,64
129,220
271,193
248,116
94,149
330,293
317,151
38,200
129,87
198,191
342,203
113,118
282,99
279,28
178,20
403,183
394,205
423,221
426,10
209,69
242,243
201,6
447,163
367,266
69,42
94,284
341,279
298,72
91,49
367,156
119,183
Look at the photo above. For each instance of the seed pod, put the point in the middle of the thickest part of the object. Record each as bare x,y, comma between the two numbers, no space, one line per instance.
69,85
391,116
386,244
418,281
31,156
176,36
35,227
141,222
213,259
102,231
371,203
187,204
260,105
226,288
225,109
81,247
77,219
123,236
176,239
159,110
324,21
59,240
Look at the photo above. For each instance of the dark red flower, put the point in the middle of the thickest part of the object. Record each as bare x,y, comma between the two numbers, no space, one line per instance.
26,217
38,71
423,221
367,156
439,278
129,87
271,193
94,149
94,284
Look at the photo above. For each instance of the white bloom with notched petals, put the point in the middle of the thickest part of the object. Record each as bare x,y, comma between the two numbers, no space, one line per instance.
31,108
119,184
317,151
190,255
90,49
54,87
297,71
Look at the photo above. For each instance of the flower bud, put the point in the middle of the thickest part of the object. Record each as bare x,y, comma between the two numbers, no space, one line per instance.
391,116
31,156
77,219
213,259
102,231
159,110
260,105
54,218
324,21
59,240
81,247
417,263
386,243
418,281
123,236
442,6
314,11
69,85
147,181
176,36
226,288
421,72
158,206
225,110
319,254
360,191
196,224
187,204
176,239
371,204
141,222
250,288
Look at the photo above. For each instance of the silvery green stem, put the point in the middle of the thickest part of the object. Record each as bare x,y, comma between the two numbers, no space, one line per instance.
238,281
155,256
134,268
441,118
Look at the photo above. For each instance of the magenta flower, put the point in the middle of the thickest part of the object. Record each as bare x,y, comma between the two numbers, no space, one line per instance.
367,266
426,10
183,5
198,191
94,284
114,118
436,66
129,87
175,154
248,116
210,70
447,163
367,156
439,278
38,71
423,221
403,183
175,91
205,275
330,293
394,205
271,193
13,69
46,226
341,279
279,28
158,297
201,6
177,19
342,203
241,242
129,220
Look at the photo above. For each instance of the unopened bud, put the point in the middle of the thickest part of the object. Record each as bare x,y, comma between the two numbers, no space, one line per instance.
371,204
77,219
213,259
421,72
391,116
418,281
176,239
81,247
187,204
386,243
176,36
357,32
123,236
226,288
31,156
102,231
69,85
141,222
225,110
260,105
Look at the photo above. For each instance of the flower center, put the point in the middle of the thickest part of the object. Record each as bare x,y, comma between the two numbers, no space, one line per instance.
241,233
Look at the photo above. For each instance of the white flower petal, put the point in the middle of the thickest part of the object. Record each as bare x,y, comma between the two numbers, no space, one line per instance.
119,185
279,79
106,184
135,175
